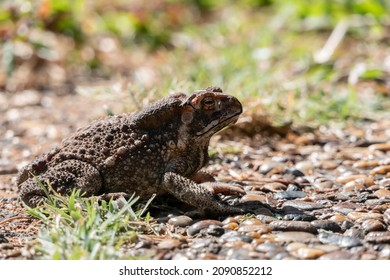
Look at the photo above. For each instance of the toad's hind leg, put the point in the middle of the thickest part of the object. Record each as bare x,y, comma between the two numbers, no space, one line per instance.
62,177
201,195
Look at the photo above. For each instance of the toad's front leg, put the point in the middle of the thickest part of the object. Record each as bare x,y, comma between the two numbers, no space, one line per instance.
201,196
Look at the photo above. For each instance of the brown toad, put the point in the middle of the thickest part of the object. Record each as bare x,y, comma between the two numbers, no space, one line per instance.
159,150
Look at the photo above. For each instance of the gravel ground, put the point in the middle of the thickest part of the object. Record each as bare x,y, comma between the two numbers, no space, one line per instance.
323,194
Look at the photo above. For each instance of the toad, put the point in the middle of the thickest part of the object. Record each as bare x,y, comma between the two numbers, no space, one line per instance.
159,150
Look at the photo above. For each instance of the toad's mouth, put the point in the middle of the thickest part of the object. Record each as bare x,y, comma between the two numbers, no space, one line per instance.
217,125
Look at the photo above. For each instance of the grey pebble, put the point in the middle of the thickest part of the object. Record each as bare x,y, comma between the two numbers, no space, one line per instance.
229,234
267,247
339,240
270,165
326,225
232,236
240,237
198,226
345,207
346,225
355,232
298,217
215,230
290,195
303,205
322,184
293,187
385,252
378,237
384,182
201,243
237,254
293,226
265,218
278,255
376,202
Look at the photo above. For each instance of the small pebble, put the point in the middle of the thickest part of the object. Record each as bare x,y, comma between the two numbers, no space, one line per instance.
308,253
345,207
250,222
348,178
229,220
293,226
366,164
294,172
354,186
255,235
368,256
180,221
355,232
215,230
237,254
208,256
346,225
382,193
296,236
263,211
290,195
372,225
239,237
254,228
303,205
385,182
328,164
378,237
298,217
305,166
363,215
200,243
274,187
265,219
340,240
327,247
385,252
268,247
169,244
380,170
338,218
198,226
323,184
270,165
338,255
381,147
377,202
326,225
254,197
295,246
231,226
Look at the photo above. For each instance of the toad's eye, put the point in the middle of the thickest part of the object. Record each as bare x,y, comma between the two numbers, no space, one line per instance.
208,103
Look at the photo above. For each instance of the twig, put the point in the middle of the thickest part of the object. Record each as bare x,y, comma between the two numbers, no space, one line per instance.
333,41
12,219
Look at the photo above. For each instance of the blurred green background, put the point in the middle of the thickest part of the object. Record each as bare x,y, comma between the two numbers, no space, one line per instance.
301,61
